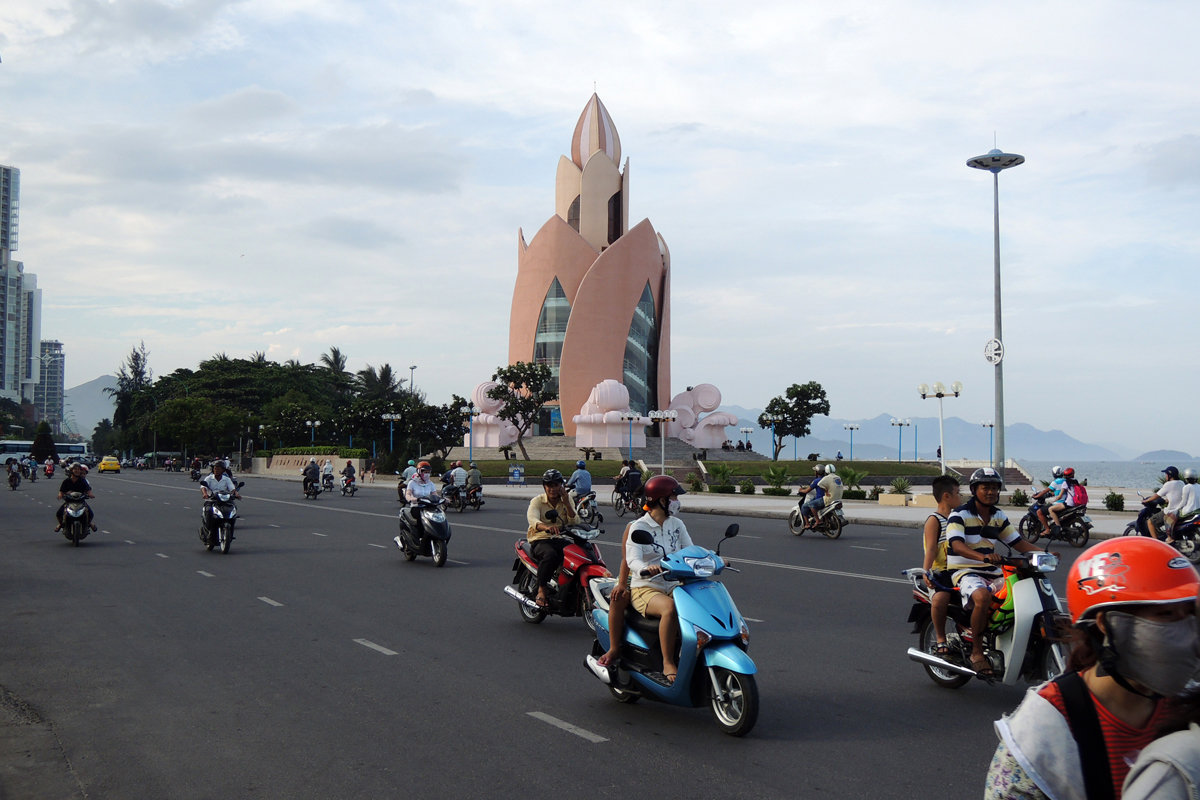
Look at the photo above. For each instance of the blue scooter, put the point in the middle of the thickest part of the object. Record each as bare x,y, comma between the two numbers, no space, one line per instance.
714,668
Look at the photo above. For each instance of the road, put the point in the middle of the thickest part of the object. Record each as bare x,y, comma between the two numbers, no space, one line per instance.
313,661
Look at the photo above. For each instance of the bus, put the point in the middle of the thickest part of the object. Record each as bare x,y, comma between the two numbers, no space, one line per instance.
20,448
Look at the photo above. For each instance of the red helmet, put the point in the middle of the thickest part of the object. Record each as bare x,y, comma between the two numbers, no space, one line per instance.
1069,473
1128,571
424,465
661,486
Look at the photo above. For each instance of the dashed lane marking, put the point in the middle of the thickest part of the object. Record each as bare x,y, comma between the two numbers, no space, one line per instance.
127,541
863,547
271,602
205,574
378,648
162,555
319,534
273,525
380,546
568,727
460,563
752,619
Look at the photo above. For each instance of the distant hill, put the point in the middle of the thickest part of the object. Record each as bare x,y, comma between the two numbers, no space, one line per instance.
87,404
1164,455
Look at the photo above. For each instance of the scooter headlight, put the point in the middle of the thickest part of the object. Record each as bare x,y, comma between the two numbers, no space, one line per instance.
1043,562
704,566
436,516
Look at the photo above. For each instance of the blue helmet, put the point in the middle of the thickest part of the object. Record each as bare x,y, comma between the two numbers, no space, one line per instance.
580,464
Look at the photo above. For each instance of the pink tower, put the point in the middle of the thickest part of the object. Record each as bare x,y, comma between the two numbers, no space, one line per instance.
592,298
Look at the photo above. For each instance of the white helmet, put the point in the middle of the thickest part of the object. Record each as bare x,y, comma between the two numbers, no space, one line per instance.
1189,474
830,469
1057,472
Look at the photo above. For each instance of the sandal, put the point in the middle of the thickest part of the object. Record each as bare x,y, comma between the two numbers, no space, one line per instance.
669,678
982,666
541,601
941,649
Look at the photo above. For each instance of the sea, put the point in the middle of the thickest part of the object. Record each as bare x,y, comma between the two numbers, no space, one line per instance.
1142,475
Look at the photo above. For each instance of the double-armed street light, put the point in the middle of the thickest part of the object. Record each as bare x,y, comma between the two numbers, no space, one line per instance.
939,391
662,418
630,417
900,425
391,421
994,161
991,426
312,426
472,413
852,427
773,418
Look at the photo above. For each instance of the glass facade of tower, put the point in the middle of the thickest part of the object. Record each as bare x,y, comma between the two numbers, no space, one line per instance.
641,356
552,330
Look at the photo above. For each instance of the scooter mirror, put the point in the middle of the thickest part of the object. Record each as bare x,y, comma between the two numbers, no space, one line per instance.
641,537
241,484
552,515
732,531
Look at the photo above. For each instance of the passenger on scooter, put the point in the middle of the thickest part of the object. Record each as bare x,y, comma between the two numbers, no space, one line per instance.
580,482
460,474
75,482
475,482
1191,495
1054,490
218,481
946,492
1132,601
813,498
348,471
405,477
1061,503
543,532
421,486
651,596
327,473
1172,492
970,532
831,486
312,474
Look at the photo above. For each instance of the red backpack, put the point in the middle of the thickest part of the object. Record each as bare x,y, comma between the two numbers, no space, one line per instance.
1079,495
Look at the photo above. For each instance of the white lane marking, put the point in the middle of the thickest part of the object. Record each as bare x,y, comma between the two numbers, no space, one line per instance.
127,541
165,503
205,574
740,561
273,525
461,563
752,619
861,547
380,546
162,555
271,602
319,534
568,727
373,646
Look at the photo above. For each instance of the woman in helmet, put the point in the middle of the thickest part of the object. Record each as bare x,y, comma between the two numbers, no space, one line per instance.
543,532
651,596
420,486
1191,495
1055,489
1132,601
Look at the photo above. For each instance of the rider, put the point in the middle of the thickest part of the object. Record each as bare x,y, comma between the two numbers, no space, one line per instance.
327,474
311,473
970,532
580,482
651,596
831,485
946,492
348,471
1191,495
1132,601
542,535
421,486
1061,504
1058,488
813,498
1172,492
405,477
217,481
75,482
459,474
475,481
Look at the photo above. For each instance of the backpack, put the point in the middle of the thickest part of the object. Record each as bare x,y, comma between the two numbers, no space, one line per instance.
1079,495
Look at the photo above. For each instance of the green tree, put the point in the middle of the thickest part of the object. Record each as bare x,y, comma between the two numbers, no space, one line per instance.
132,405
794,411
43,443
524,387
104,439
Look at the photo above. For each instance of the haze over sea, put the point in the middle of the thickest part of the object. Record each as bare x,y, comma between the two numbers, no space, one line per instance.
1141,475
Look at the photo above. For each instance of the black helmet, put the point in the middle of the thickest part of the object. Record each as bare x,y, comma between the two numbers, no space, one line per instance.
985,475
1172,473
552,477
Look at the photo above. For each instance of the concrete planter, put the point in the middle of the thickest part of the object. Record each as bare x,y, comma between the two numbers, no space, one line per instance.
923,501
893,499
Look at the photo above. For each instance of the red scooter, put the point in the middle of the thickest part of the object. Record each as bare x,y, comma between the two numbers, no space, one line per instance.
49,470
569,594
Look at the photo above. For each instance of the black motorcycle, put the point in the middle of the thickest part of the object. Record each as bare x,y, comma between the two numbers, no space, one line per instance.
1076,526
75,517
224,518
1186,534
426,535
454,497
196,473
327,482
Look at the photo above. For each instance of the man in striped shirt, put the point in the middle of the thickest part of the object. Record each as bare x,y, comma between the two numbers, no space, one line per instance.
971,558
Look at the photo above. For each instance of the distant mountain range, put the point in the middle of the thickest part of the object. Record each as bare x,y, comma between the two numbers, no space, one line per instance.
877,439
86,404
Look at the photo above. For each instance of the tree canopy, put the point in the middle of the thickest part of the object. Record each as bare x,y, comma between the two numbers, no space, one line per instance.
793,411
525,388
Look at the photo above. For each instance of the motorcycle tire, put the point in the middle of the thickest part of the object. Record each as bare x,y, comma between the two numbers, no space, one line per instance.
210,542
585,608
1131,530
1189,549
1052,660
439,552
227,541
1030,531
796,523
832,527
736,709
527,585
409,553
76,533
942,677
623,696
1078,535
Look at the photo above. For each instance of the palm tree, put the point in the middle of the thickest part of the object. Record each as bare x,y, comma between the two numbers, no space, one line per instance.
340,381
378,384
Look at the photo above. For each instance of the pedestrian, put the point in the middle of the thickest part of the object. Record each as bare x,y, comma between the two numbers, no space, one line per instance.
370,471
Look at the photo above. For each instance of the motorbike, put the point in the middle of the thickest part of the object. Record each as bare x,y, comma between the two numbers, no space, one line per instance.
14,479
475,496
32,470
49,470
224,518
587,510
1186,533
311,489
714,667
349,486
195,473
428,535
327,482
570,592
1075,529
830,520
1023,637
454,497
75,517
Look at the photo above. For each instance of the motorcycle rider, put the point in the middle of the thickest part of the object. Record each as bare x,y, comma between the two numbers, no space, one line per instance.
946,492
542,534
327,474
348,471
217,481
1191,495
459,474
405,477
813,498
475,482
312,473
970,532
651,596
1061,504
1056,489
75,482
580,482
1172,493
420,486
831,485
1132,601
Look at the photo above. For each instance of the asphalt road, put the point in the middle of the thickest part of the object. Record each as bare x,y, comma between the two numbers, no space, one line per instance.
313,661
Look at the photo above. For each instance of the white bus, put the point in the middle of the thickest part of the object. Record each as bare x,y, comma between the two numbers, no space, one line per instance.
20,448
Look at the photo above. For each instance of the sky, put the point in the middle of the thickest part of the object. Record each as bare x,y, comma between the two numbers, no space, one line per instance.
214,176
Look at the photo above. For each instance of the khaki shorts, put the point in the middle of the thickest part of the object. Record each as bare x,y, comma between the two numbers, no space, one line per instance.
640,597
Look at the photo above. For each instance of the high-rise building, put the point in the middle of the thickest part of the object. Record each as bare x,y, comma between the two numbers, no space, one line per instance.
48,393
10,195
592,297
20,302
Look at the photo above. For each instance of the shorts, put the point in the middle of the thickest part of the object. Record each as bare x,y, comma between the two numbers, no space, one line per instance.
972,582
1164,522
640,597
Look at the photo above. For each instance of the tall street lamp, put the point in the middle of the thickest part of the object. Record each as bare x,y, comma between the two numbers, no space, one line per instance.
312,426
773,419
991,426
746,434
852,427
629,417
412,386
472,413
900,425
939,391
663,417
994,161
391,421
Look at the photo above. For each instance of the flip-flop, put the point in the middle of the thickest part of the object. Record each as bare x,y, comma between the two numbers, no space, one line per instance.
982,666
941,649
669,677
542,602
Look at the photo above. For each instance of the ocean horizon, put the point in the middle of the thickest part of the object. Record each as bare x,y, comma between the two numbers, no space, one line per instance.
1135,475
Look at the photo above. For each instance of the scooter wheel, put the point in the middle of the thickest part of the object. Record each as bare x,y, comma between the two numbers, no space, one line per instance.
735,707
796,523
832,527
622,696
527,586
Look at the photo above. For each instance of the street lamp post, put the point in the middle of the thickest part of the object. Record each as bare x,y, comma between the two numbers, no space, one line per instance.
939,391
773,419
852,427
900,425
412,386
994,161
629,417
391,421
663,417
991,426
746,434
312,426
472,413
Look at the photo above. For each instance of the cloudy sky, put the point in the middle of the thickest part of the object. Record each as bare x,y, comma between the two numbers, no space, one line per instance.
286,175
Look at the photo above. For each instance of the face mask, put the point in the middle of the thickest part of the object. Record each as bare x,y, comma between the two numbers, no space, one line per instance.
1161,656
673,506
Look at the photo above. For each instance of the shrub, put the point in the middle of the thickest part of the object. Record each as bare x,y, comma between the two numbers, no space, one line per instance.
851,478
746,486
721,478
1019,498
876,490
1114,501
777,491
900,486
776,476
694,482
856,494
723,489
